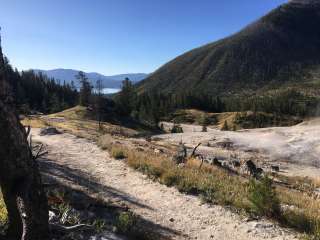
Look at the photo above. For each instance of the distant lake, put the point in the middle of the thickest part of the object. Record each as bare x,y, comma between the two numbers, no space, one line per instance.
110,90
105,90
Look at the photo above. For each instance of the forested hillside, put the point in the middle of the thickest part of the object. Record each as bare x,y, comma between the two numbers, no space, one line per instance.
37,92
272,65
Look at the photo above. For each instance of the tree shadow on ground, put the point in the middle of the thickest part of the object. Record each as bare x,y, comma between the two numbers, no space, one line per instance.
75,180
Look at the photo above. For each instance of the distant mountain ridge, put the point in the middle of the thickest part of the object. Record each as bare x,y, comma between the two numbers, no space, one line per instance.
68,75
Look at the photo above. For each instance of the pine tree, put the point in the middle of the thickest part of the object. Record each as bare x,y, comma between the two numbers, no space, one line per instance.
85,89
126,100
99,101
225,126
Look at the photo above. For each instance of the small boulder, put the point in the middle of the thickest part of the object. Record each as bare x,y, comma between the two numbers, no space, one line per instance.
53,217
49,131
275,168
216,162
236,163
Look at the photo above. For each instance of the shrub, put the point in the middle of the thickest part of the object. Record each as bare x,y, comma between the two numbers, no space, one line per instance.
170,177
118,152
225,126
204,128
125,222
105,142
263,198
176,129
99,225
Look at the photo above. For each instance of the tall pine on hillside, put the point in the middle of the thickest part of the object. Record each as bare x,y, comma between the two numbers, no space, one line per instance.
85,89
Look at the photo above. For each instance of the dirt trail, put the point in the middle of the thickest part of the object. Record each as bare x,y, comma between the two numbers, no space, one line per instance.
181,216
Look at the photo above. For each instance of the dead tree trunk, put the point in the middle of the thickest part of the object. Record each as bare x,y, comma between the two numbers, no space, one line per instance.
19,175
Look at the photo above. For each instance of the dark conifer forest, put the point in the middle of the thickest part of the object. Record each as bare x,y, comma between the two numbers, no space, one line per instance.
37,93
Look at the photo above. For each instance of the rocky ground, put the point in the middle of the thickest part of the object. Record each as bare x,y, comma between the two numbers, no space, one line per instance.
295,150
80,164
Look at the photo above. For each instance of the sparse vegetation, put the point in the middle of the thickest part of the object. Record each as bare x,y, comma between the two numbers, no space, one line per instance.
99,225
3,213
125,221
176,128
217,186
264,198
212,184
106,142
118,152
225,126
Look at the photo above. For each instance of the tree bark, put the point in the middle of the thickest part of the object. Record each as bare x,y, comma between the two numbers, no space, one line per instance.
20,179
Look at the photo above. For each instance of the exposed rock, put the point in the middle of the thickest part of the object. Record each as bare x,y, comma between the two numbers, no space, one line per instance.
275,168
157,151
225,143
49,131
316,193
53,217
216,162
236,163
107,235
250,168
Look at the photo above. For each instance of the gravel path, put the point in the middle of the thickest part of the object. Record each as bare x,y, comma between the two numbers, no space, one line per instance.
180,215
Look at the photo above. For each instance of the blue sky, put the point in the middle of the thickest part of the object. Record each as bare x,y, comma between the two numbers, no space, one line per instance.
117,36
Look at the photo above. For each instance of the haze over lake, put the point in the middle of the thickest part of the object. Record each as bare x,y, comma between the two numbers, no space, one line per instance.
110,90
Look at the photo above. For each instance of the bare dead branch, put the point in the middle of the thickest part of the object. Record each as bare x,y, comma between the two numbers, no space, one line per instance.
40,153
64,229
195,149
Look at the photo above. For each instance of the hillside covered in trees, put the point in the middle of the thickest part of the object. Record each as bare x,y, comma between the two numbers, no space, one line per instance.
272,65
36,92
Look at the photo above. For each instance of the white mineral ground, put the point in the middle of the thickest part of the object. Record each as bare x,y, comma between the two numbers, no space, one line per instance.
296,149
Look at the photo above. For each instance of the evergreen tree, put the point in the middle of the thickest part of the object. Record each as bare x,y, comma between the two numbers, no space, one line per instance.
126,99
99,101
85,89
225,126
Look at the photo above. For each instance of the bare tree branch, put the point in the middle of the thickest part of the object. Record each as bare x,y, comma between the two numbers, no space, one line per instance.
195,149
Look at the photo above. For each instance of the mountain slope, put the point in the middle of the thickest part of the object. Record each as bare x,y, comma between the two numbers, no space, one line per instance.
114,81
281,48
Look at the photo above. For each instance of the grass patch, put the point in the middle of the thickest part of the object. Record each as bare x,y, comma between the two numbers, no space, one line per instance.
77,121
3,213
212,184
106,142
292,208
125,222
264,198
118,152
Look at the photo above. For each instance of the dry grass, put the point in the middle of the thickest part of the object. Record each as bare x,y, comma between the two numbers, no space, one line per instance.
3,212
299,209
118,152
106,142
34,122
75,113
77,122
214,185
